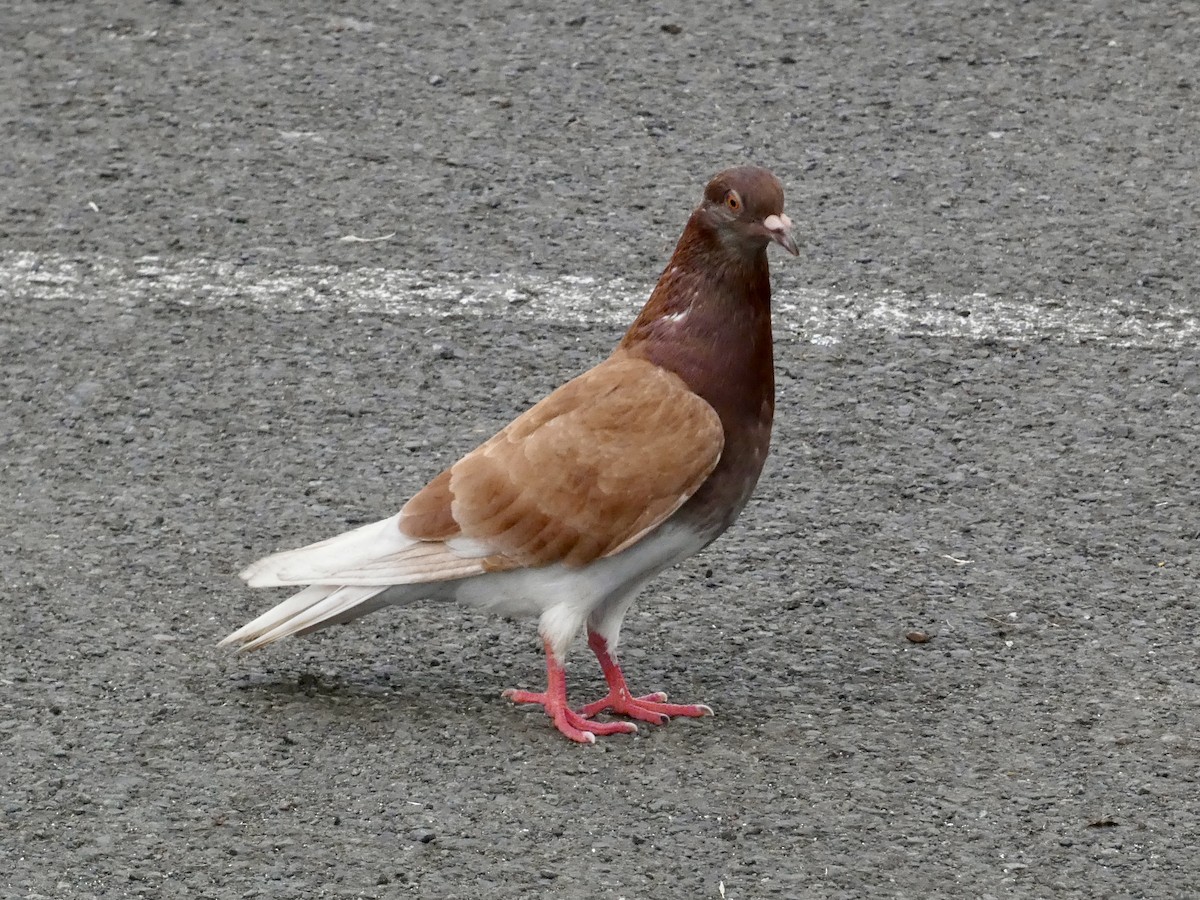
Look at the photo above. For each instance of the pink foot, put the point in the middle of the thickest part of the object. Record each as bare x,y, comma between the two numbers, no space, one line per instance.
575,726
554,700
649,708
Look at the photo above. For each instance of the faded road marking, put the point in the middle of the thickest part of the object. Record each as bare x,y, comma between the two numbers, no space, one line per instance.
819,317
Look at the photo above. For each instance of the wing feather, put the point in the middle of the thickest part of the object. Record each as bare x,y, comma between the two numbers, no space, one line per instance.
584,474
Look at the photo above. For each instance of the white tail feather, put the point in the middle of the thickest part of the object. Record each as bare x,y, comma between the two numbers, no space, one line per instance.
320,562
349,576
314,607
375,555
295,604
339,602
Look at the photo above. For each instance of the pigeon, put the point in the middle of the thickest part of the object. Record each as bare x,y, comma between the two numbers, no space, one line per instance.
624,471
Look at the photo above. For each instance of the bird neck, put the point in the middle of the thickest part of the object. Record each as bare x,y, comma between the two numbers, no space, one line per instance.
709,270
708,320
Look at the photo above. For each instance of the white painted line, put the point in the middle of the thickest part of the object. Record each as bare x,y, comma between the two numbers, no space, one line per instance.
819,317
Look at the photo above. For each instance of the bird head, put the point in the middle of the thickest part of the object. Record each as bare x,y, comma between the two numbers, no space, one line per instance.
744,207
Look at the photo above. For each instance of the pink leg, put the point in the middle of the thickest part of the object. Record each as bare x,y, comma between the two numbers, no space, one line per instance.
554,700
649,708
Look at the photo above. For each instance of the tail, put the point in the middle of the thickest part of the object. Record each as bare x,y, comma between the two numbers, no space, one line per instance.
349,576
348,558
313,608
346,575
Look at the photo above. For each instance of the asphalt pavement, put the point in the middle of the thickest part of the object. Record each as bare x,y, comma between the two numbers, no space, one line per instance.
267,267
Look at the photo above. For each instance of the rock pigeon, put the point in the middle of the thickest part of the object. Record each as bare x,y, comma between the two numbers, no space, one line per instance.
574,506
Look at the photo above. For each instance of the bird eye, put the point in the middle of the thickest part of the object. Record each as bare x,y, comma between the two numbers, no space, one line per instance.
733,201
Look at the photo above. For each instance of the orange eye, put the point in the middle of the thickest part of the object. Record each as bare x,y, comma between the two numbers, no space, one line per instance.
733,201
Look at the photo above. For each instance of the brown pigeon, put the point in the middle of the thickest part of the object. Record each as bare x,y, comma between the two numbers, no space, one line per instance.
574,506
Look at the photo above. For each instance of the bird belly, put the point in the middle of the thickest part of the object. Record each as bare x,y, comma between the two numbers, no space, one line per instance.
564,597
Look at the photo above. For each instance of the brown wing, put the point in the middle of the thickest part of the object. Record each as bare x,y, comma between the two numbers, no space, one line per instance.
583,474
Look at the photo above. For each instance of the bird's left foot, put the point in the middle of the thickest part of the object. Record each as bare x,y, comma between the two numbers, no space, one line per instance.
651,708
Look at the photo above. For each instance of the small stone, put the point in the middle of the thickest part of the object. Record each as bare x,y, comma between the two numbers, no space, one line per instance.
918,637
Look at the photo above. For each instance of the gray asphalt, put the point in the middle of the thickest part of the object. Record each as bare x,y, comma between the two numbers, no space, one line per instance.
1030,505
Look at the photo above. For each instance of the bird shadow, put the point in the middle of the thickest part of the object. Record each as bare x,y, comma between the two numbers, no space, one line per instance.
350,689
428,703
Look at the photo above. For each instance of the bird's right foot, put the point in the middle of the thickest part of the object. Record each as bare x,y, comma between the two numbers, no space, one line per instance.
554,701
575,726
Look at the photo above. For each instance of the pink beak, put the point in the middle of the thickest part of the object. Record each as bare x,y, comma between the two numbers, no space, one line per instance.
780,228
